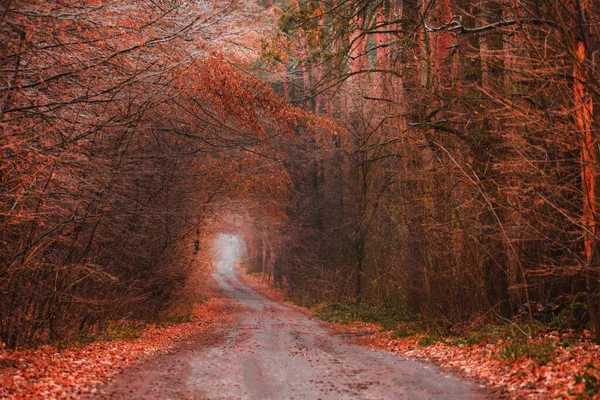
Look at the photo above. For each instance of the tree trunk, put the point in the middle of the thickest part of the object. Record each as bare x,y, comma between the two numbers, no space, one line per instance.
589,158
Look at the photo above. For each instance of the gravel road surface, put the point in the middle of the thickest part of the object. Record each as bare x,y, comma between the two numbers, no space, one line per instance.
272,351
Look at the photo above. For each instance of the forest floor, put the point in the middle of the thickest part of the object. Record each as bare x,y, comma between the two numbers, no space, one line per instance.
544,365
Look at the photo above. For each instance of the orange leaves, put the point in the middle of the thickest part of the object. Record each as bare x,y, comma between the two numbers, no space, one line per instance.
240,100
69,373
95,159
518,378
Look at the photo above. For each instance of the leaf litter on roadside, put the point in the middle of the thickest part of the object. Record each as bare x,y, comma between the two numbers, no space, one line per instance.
50,372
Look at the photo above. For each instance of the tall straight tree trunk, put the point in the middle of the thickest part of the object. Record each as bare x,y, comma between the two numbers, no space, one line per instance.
589,157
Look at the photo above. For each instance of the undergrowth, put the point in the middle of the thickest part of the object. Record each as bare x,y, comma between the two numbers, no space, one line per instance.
125,330
514,341
541,351
129,329
347,314
591,385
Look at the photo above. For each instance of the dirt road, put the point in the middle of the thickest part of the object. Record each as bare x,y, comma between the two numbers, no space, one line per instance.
274,352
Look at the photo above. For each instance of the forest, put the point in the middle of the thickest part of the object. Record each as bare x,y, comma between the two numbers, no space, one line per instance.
462,187
433,160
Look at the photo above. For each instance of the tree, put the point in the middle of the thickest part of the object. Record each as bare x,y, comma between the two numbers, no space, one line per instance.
123,128
487,125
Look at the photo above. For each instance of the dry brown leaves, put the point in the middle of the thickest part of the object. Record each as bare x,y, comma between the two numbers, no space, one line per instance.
522,378
47,372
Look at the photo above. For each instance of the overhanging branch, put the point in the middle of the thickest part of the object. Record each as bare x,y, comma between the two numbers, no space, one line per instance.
457,26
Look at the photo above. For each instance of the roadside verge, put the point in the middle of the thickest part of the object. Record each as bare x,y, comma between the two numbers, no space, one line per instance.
509,361
80,368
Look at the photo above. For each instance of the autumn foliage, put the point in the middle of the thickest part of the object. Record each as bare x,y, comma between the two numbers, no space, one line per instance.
78,370
434,160
431,163
464,188
123,128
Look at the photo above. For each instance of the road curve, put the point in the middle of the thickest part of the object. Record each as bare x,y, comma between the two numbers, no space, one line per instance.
275,352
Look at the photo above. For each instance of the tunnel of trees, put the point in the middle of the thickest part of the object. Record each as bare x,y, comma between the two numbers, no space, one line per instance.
434,159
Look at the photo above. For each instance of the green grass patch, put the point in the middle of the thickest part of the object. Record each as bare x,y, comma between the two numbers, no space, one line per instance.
405,330
75,342
305,302
113,330
429,340
179,318
542,351
125,330
591,385
496,333
339,313
349,313
346,314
